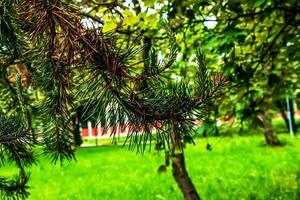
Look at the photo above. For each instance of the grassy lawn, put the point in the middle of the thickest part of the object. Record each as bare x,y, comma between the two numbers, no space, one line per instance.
236,168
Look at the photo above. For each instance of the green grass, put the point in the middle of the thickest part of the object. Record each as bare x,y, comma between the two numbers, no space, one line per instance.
236,168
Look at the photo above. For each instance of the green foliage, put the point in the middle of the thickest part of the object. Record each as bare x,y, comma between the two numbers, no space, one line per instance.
254,43
40,70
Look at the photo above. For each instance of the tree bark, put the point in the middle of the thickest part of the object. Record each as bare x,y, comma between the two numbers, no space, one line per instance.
182,178
266,118
178,167
270,135
280,106
76,127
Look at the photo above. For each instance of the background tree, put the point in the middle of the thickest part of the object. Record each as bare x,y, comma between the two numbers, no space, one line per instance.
250,40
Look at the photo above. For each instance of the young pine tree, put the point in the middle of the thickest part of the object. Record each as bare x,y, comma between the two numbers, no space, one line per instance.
71,66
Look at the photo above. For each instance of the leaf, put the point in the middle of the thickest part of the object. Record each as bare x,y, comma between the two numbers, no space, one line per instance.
258,3
130,18
109,27
149,3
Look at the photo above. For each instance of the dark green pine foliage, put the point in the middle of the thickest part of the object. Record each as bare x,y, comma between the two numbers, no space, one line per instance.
15,132
9,53
145,100
38,36
16,146
54,29
16,143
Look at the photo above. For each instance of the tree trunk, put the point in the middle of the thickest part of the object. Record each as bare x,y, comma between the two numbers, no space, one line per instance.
182,178
266,118
280,106
76,127
241,130
178,167
270,135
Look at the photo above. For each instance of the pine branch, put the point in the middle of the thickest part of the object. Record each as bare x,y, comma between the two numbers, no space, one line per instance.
55,29
149,101
15,188
15,146
15,142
